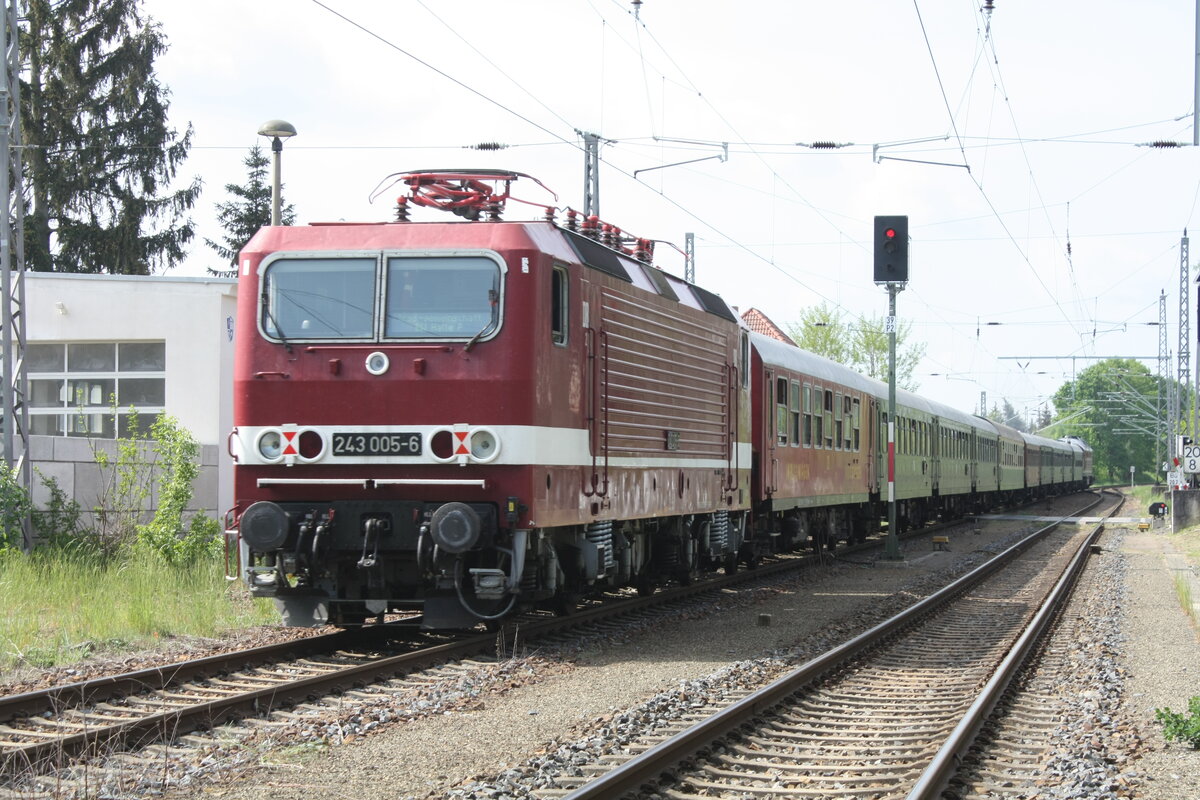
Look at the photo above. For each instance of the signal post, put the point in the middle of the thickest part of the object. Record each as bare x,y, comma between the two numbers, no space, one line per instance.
891,268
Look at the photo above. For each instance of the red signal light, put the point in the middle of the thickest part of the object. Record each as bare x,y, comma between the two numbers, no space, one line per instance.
890,233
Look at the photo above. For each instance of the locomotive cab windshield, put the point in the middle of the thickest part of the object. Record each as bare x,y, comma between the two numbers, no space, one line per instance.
382,297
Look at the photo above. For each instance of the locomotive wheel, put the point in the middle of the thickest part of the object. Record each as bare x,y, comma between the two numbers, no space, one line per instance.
644,586
730,565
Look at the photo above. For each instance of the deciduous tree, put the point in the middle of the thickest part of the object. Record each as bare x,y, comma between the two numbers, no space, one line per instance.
1113,406
861,344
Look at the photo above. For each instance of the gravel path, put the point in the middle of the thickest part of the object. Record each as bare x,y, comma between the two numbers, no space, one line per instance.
1163,659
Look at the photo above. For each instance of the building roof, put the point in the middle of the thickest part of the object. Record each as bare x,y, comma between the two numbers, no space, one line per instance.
759,322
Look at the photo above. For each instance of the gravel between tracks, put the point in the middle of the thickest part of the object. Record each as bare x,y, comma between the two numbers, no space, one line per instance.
462,749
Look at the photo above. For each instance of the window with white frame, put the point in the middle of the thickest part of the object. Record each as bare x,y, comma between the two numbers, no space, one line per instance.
74,386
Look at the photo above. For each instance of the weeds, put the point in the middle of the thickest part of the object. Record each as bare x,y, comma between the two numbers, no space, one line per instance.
129,577
62,606
14,506
1183,590
1182,727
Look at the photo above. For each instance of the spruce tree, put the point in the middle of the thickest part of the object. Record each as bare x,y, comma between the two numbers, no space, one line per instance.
100,156
250,210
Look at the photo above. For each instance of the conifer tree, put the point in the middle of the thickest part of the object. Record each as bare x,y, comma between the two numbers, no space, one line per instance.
250,210
100,156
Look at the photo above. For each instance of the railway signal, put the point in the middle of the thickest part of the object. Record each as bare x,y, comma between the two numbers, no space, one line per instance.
891,249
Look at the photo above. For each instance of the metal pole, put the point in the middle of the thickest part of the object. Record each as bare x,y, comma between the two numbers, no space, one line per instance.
14,408
591,173
891,550
277,149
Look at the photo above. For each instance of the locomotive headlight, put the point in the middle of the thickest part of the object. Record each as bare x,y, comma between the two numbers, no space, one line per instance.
264,526
270,445
485,445
455,527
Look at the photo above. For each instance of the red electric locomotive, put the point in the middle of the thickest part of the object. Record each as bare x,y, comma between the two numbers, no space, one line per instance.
473,416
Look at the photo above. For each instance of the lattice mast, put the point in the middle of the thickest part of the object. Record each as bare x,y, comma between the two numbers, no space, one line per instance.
1184,353
591,174
14,415
1164,376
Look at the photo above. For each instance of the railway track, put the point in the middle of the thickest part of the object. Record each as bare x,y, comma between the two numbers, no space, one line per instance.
887,714
51,729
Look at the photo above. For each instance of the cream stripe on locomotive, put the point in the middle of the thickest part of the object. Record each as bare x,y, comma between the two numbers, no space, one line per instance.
459,444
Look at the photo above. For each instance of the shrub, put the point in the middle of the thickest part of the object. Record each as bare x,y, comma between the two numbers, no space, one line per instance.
176,454
14,508
1182,727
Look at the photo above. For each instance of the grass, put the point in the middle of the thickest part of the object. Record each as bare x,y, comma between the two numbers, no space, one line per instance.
1183,591
60,608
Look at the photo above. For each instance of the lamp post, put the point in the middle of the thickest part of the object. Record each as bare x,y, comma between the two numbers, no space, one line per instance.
278,130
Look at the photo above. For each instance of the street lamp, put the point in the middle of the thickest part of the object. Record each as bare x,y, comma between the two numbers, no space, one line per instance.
278,130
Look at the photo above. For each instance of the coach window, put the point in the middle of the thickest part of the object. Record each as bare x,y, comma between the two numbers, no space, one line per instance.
828,418
795,413
839,424
442,297
818,419
781,410
848,415
808,416
856,423
558,304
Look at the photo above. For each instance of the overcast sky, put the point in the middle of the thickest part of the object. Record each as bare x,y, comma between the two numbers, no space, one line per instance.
1015,142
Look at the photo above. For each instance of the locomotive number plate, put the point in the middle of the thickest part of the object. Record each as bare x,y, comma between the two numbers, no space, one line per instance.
376,444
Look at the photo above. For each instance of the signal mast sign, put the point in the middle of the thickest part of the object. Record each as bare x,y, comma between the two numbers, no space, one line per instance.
1189,458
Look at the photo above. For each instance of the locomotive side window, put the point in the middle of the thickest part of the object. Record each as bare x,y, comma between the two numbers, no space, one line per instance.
558,305
745,356
448,297
319,298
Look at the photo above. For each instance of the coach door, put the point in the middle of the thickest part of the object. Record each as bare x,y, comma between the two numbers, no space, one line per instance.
872,446
770,435
935,453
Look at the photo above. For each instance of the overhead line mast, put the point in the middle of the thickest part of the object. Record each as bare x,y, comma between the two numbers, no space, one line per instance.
1184,353
14,412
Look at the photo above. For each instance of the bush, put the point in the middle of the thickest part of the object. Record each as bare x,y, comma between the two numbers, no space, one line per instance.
14,508
176,459
1181,727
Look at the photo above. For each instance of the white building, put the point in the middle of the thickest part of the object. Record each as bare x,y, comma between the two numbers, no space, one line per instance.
155,343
